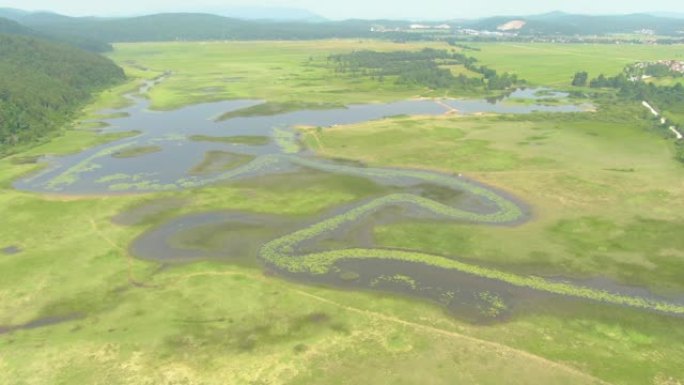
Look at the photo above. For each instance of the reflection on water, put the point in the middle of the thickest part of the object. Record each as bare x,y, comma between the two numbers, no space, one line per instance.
238,237
98,171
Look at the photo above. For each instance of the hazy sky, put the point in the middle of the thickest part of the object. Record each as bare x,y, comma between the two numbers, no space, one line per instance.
337,9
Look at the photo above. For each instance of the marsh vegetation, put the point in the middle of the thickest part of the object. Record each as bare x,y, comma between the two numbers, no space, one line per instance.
134,152
497,242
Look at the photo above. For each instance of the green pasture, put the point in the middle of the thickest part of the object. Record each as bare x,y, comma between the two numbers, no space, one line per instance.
208,322
286,73
605,191
555,64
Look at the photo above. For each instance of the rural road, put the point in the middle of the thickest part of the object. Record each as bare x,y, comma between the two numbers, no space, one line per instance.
655,113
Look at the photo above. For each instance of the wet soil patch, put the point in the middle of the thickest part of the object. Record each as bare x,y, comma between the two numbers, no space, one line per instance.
134,152
218,161
270,109
468,297
452,197
310,178
354,234
10,250
227,236
19,160
605,284
40,323
149,211
349,162
238,139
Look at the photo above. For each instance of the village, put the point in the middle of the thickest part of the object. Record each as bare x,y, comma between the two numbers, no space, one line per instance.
674,66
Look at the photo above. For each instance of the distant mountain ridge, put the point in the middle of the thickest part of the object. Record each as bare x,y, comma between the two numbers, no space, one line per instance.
673,15
252,23
16,27
560,23
12,27
243,13
268,13
186,26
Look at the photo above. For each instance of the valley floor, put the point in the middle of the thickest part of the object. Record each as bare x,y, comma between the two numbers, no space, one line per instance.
603,188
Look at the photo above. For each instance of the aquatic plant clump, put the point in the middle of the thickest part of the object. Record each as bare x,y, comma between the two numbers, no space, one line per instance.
284,252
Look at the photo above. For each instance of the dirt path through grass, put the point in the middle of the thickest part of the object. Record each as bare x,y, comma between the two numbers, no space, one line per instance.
500,348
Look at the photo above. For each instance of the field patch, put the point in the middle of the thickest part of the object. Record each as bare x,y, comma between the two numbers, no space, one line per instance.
270,109
217,161
239,139
134,152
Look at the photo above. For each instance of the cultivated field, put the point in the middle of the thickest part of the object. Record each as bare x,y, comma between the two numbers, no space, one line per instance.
555,64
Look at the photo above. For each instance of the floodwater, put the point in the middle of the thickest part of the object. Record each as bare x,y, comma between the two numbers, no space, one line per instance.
98,171
232,235
145,211
465,296
39,323
229,236
9,250
237,237
502,106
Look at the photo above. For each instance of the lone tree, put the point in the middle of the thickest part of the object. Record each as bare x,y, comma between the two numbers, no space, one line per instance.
580,79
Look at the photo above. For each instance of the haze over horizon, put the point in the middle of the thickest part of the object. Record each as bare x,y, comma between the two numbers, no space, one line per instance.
380,9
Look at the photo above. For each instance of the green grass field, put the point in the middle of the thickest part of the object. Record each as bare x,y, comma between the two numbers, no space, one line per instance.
281,72
555,64
604,189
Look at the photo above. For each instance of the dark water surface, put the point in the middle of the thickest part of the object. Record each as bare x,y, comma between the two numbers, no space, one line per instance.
236,237
39,323
98,170
10,250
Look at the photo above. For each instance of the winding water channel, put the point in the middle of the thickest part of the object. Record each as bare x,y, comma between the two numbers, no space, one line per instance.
335,247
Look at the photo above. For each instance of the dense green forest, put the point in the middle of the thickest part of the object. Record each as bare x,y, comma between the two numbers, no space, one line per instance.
426,68
667,98
43,83
12,27
81,41
670,98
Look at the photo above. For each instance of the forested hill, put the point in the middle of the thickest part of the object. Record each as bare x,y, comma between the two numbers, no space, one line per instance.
191,26
43,83
16,27
202,26
12,27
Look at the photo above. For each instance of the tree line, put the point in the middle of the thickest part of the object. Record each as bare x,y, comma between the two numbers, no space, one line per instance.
666,98
84,42
424,68
670,98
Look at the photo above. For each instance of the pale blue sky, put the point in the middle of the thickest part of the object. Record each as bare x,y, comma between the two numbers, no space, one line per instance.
416,9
